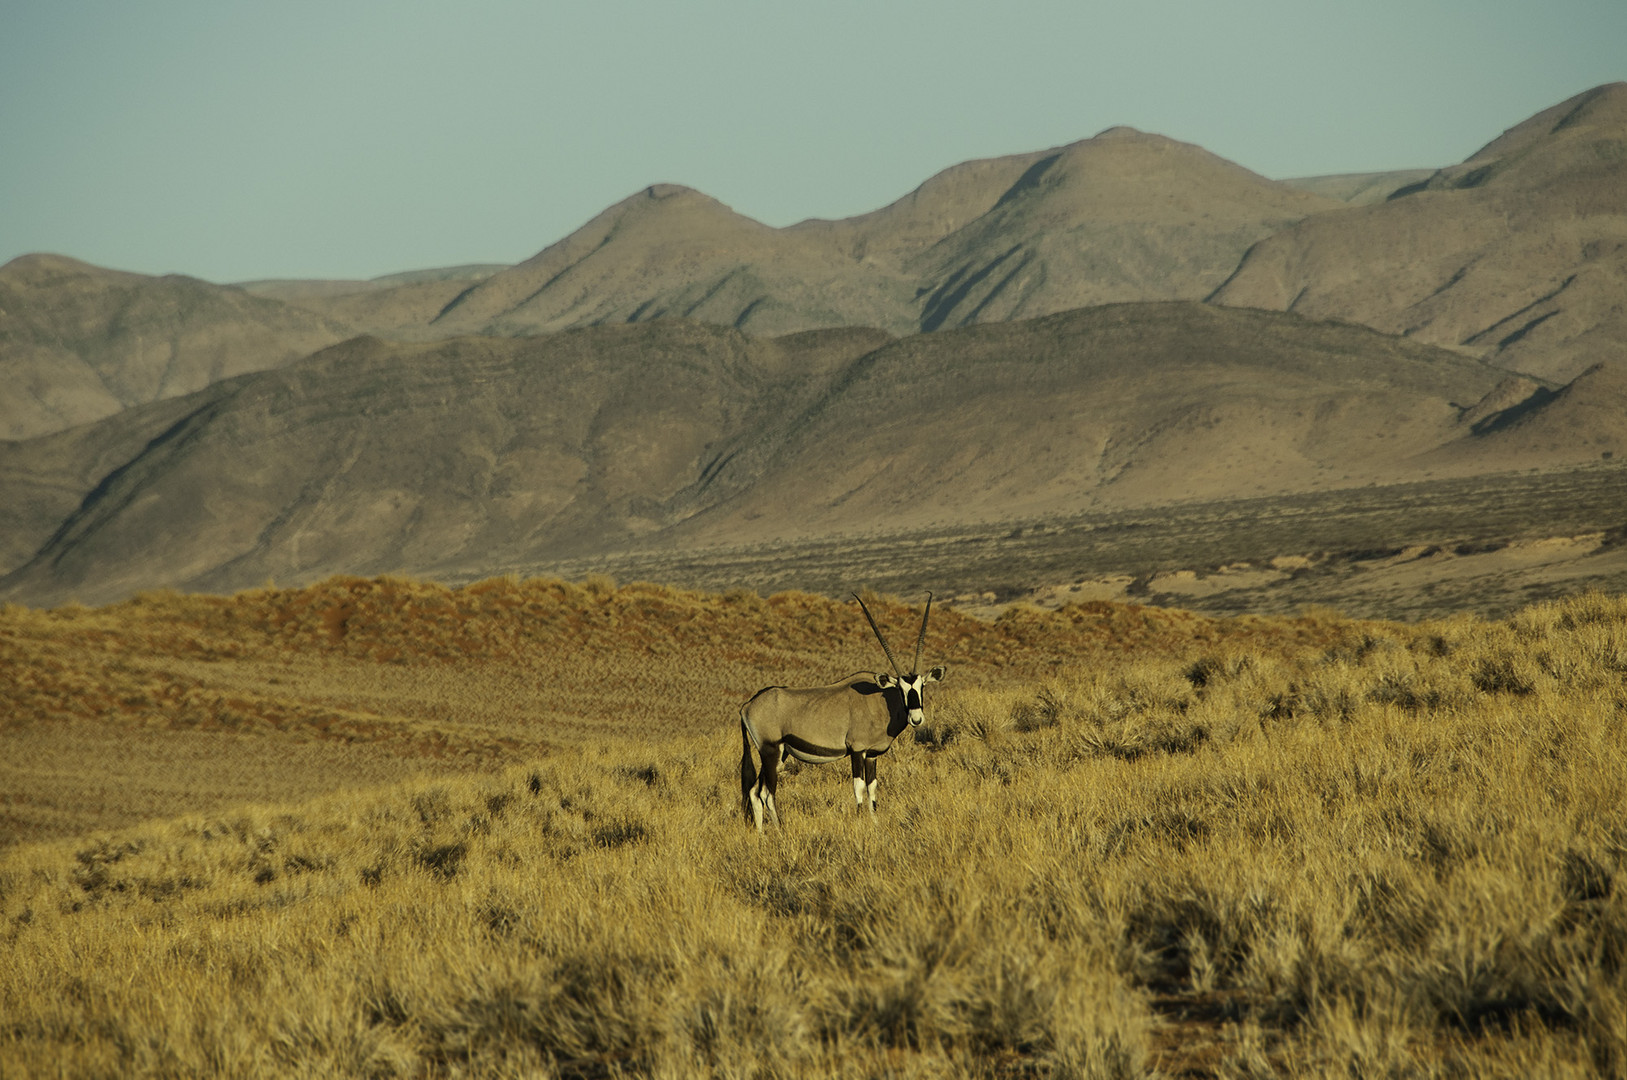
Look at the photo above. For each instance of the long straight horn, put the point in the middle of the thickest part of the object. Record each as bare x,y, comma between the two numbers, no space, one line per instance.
921,639
884,646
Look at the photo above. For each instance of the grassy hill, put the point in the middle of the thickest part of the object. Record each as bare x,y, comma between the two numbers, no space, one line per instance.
1127,842
391,673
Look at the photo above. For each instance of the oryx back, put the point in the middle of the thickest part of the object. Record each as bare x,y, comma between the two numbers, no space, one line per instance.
820,724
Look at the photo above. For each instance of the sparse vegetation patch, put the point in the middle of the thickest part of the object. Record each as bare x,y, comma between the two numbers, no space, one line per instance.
1345,852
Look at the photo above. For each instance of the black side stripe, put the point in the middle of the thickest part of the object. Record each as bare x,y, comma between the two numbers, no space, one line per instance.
804,746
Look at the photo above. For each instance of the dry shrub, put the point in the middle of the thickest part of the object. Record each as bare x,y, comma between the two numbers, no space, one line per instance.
1330,693
975,713
1099,1030
1148,708
1047,709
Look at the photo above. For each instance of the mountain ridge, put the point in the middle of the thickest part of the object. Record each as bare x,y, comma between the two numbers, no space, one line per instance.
1519,253
917,263
78,342
441,457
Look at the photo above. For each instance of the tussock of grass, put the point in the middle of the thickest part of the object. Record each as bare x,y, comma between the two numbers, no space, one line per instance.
1362,857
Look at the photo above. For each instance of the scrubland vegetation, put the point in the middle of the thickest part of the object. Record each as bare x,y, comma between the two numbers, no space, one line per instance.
1179,847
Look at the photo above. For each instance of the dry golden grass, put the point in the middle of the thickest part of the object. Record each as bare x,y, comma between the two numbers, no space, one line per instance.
1307,849
283,693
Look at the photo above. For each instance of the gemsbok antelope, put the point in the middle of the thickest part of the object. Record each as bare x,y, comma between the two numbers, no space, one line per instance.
857,718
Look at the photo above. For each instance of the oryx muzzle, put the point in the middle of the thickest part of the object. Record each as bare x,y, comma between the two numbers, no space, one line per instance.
857,718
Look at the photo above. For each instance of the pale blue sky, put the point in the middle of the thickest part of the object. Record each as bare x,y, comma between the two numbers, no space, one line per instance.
350,138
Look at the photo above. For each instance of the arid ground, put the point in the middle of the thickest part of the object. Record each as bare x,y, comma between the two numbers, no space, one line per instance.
376,827
1428,549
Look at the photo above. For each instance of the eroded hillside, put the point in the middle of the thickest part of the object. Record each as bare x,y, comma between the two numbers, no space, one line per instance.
1519,254
443,457
78,342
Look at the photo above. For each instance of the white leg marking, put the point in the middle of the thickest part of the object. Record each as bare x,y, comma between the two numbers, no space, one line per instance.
757,809
858,791
773,814
872,793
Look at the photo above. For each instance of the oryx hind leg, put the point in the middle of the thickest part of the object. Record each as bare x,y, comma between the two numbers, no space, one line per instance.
768,782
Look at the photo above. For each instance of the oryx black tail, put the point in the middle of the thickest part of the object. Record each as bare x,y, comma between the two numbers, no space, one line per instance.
748,770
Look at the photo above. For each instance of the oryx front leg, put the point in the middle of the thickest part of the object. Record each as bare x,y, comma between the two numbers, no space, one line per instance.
864,781
756,797
768,777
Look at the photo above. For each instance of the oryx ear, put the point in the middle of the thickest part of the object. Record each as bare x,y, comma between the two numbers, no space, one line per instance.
884,680
937,674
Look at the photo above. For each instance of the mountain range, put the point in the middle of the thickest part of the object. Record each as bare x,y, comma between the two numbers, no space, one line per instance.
443,457
1124,321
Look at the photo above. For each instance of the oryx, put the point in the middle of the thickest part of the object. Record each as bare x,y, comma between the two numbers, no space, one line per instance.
857,718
